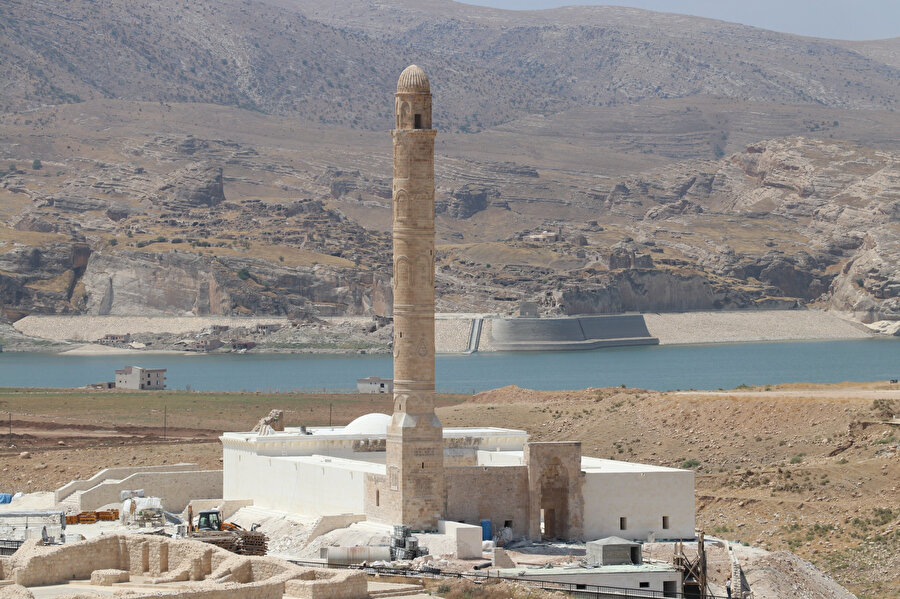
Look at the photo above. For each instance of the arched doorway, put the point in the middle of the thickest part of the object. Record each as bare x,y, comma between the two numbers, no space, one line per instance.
554,503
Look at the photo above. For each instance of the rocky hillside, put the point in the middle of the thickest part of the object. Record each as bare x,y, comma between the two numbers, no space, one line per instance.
489,66
181,224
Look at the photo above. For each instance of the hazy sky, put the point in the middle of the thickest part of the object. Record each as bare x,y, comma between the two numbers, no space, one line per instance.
836,19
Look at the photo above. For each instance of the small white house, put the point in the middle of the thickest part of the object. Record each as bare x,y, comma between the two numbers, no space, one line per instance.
135,377
375,384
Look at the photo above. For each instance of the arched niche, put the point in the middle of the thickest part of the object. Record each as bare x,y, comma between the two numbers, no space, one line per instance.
401,205
405,118
402,273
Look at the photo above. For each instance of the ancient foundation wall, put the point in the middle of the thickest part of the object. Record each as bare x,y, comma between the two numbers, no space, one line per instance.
205,571
176,489
498,494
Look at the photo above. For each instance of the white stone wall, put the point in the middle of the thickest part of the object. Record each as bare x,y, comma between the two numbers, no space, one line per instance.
642,498
313,488
115,474
176,489
629,580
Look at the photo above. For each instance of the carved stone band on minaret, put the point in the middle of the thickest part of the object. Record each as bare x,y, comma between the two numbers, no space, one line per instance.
415,452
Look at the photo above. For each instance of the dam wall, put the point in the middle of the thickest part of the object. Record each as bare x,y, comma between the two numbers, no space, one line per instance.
570,333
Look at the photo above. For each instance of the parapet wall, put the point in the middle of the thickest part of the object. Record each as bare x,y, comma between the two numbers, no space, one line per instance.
569,333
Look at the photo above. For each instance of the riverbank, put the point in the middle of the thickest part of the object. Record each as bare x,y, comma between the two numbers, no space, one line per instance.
454,333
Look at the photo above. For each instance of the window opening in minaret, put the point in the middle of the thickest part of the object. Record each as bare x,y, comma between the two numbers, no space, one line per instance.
418,122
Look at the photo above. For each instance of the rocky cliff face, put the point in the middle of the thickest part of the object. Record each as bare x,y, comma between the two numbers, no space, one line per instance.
176,283
194,186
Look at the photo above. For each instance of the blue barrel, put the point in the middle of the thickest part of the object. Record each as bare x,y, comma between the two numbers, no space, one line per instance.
486,530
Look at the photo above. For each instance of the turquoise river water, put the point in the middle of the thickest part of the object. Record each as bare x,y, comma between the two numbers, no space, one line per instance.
665,367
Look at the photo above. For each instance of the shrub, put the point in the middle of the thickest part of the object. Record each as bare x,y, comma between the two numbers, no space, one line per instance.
36,164
688,464
243,274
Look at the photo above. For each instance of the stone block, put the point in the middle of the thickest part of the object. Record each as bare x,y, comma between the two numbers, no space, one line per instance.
501,559
106,578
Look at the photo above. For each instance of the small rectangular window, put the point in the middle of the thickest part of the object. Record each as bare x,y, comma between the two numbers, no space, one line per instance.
665,522
418,121
623,523
644,585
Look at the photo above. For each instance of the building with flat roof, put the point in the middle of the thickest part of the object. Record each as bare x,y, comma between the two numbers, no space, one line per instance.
375,384
136,377
539,490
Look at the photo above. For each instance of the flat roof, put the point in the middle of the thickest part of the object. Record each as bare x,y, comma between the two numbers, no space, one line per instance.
314,432
337,463
541,572
589,464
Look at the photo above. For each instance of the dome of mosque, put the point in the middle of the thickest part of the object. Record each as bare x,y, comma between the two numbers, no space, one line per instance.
375,423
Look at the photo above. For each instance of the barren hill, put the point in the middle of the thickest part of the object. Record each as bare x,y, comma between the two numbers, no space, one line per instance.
327,61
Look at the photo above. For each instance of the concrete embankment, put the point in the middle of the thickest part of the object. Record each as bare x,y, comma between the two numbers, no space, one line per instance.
749,326
570,333
453,332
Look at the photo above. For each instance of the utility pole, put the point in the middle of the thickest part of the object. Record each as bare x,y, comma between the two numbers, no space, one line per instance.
165,421
330,406
701,554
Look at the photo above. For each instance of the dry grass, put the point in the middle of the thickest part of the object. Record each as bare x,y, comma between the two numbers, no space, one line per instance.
30,238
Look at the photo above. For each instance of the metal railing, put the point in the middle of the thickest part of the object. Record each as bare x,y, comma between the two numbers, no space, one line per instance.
9,546
576,589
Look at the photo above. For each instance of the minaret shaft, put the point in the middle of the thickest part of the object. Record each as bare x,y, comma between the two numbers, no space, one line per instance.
415,454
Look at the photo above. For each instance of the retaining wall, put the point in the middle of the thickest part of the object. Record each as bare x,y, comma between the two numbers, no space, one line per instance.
176,489
115,474
569,333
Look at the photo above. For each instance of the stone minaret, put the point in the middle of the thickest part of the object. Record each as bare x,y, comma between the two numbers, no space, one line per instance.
415,456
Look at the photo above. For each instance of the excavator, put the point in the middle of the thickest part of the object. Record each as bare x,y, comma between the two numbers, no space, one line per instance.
212,528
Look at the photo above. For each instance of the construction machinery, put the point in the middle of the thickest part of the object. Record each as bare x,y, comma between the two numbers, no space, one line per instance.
213,529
